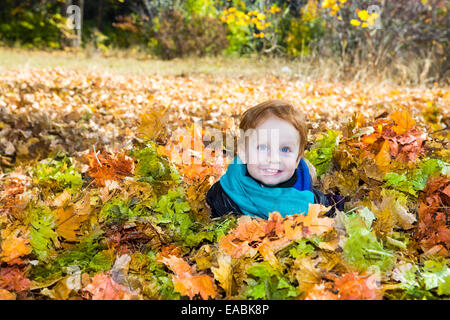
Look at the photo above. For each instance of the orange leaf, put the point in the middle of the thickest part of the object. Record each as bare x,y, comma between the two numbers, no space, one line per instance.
320,292
275,224
268,254
293,229
178,265
199,284
152,122
187,283
250,229
103,287
316,225
68,221
13,279
106,166
236,250
15,243
6,295
357,287
403,121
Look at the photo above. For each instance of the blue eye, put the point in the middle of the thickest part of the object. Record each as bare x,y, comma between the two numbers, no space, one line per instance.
285,149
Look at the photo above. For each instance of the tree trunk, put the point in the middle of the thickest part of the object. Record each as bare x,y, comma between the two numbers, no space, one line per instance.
100,15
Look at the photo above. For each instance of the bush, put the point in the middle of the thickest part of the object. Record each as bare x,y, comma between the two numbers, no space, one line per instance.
31,25
302,31
178,37
380,33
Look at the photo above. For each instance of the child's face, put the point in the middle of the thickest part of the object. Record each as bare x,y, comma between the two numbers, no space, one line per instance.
273,151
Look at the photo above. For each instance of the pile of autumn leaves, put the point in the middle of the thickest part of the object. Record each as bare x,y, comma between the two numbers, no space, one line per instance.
133,225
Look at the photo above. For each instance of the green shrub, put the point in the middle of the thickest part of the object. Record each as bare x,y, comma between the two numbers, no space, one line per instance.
32,25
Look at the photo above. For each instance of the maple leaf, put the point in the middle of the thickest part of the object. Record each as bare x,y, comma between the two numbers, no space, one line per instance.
396,204
69,220
152,122
6,295
12,191
186,282
353,286
57,173
249,229
224,272
432,226
314,222
268,282
321,152
106,166
103,287
275,224
383,158
403,121
43,238
320,292
15,243
14,279
362,249
236,250
306,273
268,254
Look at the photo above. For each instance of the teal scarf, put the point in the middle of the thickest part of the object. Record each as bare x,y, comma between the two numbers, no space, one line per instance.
255,199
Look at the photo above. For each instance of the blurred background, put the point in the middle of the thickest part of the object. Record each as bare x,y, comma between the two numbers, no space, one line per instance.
404,40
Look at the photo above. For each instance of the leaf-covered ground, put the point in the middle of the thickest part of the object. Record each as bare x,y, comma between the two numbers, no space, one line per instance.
93,204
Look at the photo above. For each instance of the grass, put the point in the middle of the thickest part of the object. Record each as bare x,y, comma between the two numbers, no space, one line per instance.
133,62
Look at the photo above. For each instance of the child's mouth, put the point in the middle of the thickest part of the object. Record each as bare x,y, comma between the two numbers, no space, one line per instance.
271,172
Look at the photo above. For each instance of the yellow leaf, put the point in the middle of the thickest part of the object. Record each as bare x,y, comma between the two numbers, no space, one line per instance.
383,158
152,123
224,273
403,121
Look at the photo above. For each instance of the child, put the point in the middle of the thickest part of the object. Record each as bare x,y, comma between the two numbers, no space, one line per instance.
269,173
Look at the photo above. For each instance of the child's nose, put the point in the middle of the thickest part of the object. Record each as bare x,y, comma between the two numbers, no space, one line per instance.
274,157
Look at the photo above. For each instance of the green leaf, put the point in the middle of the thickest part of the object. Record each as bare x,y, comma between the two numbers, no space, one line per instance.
58,174
301,249
43,236
416,180
362,249
435,274
321,153
265,282
152,167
